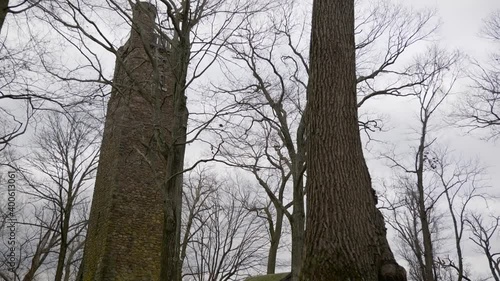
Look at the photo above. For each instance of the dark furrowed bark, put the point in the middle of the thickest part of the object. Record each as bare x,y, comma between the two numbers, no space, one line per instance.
345,233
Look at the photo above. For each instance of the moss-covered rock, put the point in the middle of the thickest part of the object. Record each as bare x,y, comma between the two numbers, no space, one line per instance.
269,277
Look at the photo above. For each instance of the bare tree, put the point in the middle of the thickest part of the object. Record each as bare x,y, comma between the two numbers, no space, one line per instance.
451,188
481,110
384,34
35,241
16,61
462,183
43,238
14,7
29,251
482,234
223,240
66,155
430,97
433,186
25,89
266,136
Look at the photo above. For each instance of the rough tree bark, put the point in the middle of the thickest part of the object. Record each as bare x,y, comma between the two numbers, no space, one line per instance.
345,233
428,268
171,268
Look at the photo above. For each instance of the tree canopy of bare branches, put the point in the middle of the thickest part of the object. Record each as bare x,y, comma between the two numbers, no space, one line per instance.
481,110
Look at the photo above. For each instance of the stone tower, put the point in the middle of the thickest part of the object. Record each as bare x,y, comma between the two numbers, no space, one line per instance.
125,227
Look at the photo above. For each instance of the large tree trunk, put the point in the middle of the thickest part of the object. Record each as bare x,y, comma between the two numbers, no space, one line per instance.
171,267
345,233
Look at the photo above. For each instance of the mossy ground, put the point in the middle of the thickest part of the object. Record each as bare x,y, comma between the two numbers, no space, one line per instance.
270,277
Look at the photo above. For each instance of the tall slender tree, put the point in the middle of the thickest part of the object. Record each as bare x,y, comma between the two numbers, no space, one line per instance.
345,233
421,191
482,106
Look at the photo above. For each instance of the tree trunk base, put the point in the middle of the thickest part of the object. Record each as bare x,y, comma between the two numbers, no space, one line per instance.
391,271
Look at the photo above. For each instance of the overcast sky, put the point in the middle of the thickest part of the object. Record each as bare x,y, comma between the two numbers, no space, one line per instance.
461,24
461,20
